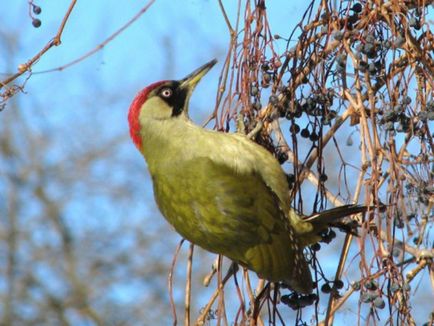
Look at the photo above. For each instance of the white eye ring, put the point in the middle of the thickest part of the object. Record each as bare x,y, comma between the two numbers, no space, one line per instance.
166,92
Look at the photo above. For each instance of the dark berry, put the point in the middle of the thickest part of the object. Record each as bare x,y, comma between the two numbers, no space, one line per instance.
357,7
298,111
353,19
399,223
332,114
363,65
273,99
285,299
36,22
295,128
379,303
372,54
411,216
366,297
371,285
338,284
315,247
36,10
306,300
282,157
340,69
314,136
332,234
325,288
290,178
305,133
369,50
291,300
323,177
314,297
390,115
378,64
372,69
310,104
265,66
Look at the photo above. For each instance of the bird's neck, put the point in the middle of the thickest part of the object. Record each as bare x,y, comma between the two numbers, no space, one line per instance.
165,141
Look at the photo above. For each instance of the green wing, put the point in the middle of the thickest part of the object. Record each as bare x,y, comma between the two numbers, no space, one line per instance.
235,214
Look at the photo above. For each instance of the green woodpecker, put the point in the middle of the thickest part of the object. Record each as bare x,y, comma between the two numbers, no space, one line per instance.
222,191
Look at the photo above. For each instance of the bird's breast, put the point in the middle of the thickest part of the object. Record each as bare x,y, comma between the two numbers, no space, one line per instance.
193,208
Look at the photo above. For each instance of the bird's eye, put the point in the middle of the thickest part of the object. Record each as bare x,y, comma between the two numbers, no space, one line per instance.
166,92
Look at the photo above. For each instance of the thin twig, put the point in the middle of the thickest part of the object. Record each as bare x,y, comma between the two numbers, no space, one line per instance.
170,281
57,40
188,286
102,44
205,311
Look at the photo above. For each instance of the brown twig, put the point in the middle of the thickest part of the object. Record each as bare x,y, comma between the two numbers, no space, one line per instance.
187,304
170,281
205,311
56,41
103,43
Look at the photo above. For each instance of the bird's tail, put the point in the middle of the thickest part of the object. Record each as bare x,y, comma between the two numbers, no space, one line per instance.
318,223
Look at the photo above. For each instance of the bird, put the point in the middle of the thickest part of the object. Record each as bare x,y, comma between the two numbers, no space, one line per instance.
222,191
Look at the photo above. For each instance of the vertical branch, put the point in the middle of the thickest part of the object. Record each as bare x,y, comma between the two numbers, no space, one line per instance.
12,232
170,281
188,286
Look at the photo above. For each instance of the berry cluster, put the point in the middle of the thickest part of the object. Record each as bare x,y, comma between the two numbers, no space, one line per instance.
35,10
332,286
297,301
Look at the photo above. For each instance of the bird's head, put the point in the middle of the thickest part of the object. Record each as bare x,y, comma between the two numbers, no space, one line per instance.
167,99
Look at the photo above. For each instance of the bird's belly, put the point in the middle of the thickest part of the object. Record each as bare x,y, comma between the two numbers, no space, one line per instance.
194,211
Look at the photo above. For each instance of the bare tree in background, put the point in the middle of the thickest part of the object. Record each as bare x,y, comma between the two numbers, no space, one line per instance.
72,249
64,258
346,107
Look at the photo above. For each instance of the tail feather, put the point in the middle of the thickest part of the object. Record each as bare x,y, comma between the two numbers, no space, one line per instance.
330,216
334,217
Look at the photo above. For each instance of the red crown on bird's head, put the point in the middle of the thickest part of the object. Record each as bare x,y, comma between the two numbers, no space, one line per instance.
134,112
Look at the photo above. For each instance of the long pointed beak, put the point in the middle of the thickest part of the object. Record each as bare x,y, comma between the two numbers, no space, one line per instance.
193,79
